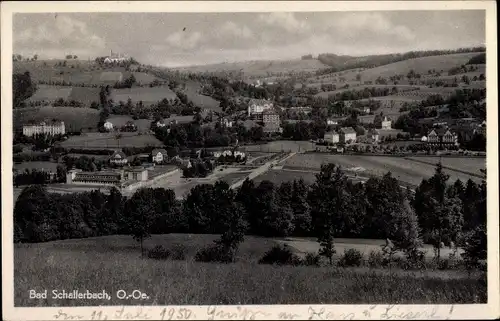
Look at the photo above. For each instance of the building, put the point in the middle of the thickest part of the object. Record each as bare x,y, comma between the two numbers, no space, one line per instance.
441,136
373,136
118,158
386,123
305,110
115,58
347,135
366,110
107,178
47,128
257,106
226,122
332,122
136,174
108,126
77,176
160,123
159,155
331,137
271,120
481,129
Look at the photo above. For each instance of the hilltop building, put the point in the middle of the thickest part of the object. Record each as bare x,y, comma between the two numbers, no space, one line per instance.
115,58
257,106
48,128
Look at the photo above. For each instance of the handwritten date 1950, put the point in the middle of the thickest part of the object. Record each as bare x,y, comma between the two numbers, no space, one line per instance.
176,314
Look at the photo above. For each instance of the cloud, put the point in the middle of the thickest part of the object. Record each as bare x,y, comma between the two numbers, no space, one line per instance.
61,34
232,29
372,22
285,20
184,40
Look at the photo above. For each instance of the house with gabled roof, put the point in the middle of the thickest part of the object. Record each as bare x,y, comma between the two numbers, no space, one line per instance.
159,155
118,158
331,137
441,136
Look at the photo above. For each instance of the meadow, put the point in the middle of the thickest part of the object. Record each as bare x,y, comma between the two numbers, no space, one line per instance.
113,262
402,169
75,118
109,140
147,95
260,68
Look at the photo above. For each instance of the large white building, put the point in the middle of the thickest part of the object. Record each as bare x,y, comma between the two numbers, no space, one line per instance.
115,58
54,128
257,106
386,123
331,137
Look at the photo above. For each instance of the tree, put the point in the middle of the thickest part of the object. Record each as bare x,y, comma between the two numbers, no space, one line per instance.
142,212
440,216
404,230
22,87
331,208
301,208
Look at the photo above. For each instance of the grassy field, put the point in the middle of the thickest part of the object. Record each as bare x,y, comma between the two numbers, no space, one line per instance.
278,176
401,88
419,65
108,140
260,67
113,263
472,164
50,93
404,170
147,95
278,146
75,118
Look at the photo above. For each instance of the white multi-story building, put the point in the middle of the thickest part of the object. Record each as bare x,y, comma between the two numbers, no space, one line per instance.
159,155
386,123
108,126
347,135
257,106
54,128
115,58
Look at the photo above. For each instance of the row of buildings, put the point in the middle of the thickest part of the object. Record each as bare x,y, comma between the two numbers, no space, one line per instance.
52,127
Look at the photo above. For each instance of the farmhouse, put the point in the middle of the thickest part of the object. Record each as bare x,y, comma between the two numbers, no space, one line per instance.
48,128
331,137
159,155
347,135
386,123
118,158
257,106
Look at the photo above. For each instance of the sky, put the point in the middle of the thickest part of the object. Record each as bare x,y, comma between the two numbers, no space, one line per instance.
183,39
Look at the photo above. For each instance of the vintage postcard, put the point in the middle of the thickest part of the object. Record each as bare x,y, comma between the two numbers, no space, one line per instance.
249,160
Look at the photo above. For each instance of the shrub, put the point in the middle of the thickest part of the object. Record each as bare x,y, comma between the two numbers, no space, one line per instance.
159,253
351,257
376,259
215,253
311,259
178,253
280,255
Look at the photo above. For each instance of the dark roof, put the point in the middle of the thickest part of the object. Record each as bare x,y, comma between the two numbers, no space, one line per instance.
347,130
119,152
259,101
331,133
158,150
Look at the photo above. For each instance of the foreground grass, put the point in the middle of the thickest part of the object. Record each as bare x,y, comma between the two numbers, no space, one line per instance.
114,263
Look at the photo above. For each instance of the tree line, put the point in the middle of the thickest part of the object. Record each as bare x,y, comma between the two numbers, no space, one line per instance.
333,206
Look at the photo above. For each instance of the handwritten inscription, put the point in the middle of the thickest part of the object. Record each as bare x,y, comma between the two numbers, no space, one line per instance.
390,312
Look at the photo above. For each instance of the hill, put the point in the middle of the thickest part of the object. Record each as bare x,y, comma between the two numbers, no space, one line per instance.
260,68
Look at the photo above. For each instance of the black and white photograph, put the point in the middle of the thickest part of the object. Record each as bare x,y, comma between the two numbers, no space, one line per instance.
249,158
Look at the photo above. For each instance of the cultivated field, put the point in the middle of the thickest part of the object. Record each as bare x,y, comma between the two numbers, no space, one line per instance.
109,140
50,93
144,78
404,170
419,65
147,95
112,263
260,67
74,118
